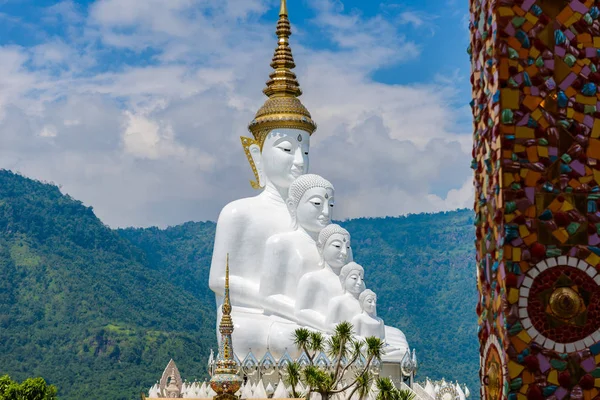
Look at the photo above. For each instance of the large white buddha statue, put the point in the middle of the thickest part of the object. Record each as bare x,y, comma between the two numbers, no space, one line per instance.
290,255
367,323
278,153
316,288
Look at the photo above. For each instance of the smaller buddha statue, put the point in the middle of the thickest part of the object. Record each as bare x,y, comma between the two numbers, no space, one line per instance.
345,306
289,256
316,288
367,323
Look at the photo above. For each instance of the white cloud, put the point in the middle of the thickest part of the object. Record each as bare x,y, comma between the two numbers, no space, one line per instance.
158,143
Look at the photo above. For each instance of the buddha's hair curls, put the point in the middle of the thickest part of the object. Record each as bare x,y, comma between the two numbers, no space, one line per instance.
304,183
351,266
328,232
366,293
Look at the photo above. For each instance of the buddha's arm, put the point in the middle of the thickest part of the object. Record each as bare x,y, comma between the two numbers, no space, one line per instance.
279,304
273,270
358,325
333,312
230,231
305,304
306,293
312,318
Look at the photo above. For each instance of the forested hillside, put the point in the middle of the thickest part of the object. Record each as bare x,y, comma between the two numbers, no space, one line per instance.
98,312
79,305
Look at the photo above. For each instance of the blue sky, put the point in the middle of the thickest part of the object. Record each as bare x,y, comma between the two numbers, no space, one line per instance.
136,107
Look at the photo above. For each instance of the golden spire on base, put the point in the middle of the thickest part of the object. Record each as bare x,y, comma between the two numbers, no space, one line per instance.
225,381
282,109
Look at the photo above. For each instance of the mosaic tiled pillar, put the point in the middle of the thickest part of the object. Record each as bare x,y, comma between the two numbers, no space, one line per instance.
536,156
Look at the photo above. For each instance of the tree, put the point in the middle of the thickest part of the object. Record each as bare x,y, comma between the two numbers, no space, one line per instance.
29,389
346,351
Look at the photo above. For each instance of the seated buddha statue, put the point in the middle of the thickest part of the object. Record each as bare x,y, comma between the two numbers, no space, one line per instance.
345,306
290,255
278,154
316,288
367,323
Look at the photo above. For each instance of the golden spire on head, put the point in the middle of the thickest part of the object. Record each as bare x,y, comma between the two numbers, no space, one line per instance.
282,109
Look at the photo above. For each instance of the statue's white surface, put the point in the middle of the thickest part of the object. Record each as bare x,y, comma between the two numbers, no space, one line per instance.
367,323
242,231
345,306
245,225
289,256
316,288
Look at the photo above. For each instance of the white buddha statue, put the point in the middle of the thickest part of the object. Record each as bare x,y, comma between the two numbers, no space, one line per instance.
278,153
367,323
345,306
316,288
290,255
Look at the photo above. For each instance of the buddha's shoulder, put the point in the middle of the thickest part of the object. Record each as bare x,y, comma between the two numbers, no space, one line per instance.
245,208
283,238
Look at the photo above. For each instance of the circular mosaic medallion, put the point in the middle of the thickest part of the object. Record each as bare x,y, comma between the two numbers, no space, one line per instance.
492,369
560,304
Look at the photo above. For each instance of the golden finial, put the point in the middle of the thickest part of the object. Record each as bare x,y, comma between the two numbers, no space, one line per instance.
227,302
282,109
226,381
283,9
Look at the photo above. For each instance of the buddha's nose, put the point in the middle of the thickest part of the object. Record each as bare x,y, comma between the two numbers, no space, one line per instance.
298,158
344,250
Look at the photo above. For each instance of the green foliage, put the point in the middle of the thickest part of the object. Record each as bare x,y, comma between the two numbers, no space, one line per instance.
342,345
81,307
29,389
99,312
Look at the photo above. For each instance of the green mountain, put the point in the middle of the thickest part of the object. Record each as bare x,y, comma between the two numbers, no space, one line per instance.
99,312
79,305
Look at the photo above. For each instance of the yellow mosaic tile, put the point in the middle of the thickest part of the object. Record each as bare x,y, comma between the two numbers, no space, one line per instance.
514,369
553,377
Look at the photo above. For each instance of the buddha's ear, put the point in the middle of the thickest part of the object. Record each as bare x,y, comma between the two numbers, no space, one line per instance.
254,155
291,207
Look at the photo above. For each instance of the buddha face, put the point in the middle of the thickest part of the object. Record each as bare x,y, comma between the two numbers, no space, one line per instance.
354,282
370,305
336,250
314,209
285,155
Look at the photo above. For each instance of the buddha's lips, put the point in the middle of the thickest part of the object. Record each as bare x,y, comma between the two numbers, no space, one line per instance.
296,172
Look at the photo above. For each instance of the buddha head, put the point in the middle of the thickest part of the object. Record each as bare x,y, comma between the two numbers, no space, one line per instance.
310,202
284,156
368,302
334,246
352,278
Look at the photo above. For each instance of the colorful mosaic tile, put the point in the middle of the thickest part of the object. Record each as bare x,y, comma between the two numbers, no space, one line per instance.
536,157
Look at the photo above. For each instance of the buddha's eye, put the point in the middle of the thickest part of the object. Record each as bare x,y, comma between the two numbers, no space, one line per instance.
337,246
